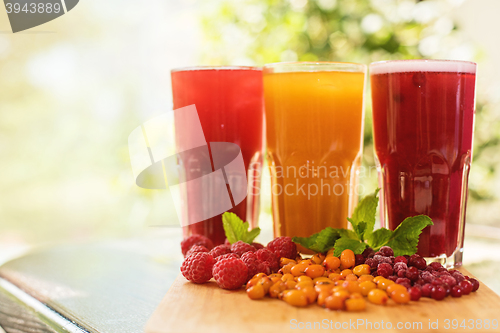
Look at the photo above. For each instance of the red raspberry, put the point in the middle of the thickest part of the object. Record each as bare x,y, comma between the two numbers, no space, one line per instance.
230,273
269,258
220,250
283,247
257,246
187,243
197,267
384,270
254,265
227,255
196,248
241,247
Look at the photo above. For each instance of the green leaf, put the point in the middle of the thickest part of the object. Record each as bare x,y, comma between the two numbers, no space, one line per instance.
346,243
346,233
366,211
404,239
379,238
360,230
236,230
319,242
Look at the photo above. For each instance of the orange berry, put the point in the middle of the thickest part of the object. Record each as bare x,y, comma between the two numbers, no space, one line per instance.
356,295
347,258
345,272
362,270
384,283
276,289
331,263
299,269
393,287
378,296
286,261
400,296
334,276
276,275
334,302
314,271
378,278
304,284
259,275
343,293
364,278
330,253
266,282
290,284
355,304
256,292
287,277
322,280
287,268
310,293
295,297
366,287
318,258
303,278
322,296
305,262
252,282
323,288
352,286
351,277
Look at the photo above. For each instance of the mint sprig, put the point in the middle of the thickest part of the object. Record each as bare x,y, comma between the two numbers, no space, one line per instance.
237,230
403,240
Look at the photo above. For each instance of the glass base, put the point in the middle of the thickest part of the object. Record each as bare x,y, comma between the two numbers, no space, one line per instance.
453,261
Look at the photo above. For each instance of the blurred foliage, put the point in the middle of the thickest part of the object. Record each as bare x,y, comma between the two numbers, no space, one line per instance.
256,32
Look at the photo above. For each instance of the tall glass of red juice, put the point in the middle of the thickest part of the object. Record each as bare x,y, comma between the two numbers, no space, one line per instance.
230,108
423,125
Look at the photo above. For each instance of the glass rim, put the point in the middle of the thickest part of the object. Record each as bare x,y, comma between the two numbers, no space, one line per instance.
422,65
314,66
209,68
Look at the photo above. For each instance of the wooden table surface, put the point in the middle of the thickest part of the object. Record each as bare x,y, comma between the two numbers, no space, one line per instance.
192,308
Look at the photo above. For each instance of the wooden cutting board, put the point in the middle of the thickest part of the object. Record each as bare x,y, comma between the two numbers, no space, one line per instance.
192,308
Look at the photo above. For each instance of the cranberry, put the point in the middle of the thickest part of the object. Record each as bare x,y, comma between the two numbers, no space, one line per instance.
437,281
475,284
412,273
458,277
418,262
427,289
456,291
449,280
427,277
373,263
386,251
419,282
438,293
374,273
359,259
382,259
401,259
400,266
401,273
447,288
403,280
384,270
415,293
392,278
378,253
435,265
466,287
368,252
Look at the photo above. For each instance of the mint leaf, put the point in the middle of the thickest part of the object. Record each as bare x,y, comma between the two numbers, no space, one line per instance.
379,238
319,242
346,243
346,233
366,211
360,230
236,230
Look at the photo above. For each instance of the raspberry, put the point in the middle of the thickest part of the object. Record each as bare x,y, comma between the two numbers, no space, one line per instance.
227,255
257,246
384,270
196,248
269,258
220,250
283,247
230,273
187,243
241,247
197,267
373,263
254,265
386,251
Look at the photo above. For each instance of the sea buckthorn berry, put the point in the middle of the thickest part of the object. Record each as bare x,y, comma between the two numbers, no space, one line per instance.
287,277
384,283
378,296
285,261
351,277
366,287
330,253
276,275
290,284
356,295
377,279
275,278
400,296
322,296
335,302
303,278
256,292
266,282
361,270
295,297
322,280
305,262
252,282
304,284
394,287
276,289
345,272
287,269
335,276
338,288
364,278
347,258
314,271
318,258
310,293
352,286
355,304
331,263
299,269
324,288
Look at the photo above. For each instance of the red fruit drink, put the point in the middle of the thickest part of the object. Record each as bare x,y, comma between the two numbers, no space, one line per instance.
423,123
230,108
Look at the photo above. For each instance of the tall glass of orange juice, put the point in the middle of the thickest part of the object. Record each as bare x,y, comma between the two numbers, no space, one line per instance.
314,120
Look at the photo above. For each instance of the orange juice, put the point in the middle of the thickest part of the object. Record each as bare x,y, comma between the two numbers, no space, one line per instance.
314,119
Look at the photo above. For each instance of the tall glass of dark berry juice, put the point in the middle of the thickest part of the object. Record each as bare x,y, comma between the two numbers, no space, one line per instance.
229,104
423,125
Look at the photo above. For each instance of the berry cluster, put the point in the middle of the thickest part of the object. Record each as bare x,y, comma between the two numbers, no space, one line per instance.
232,265
420,279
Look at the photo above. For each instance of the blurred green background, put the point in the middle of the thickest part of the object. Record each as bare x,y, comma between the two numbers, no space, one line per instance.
73,89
